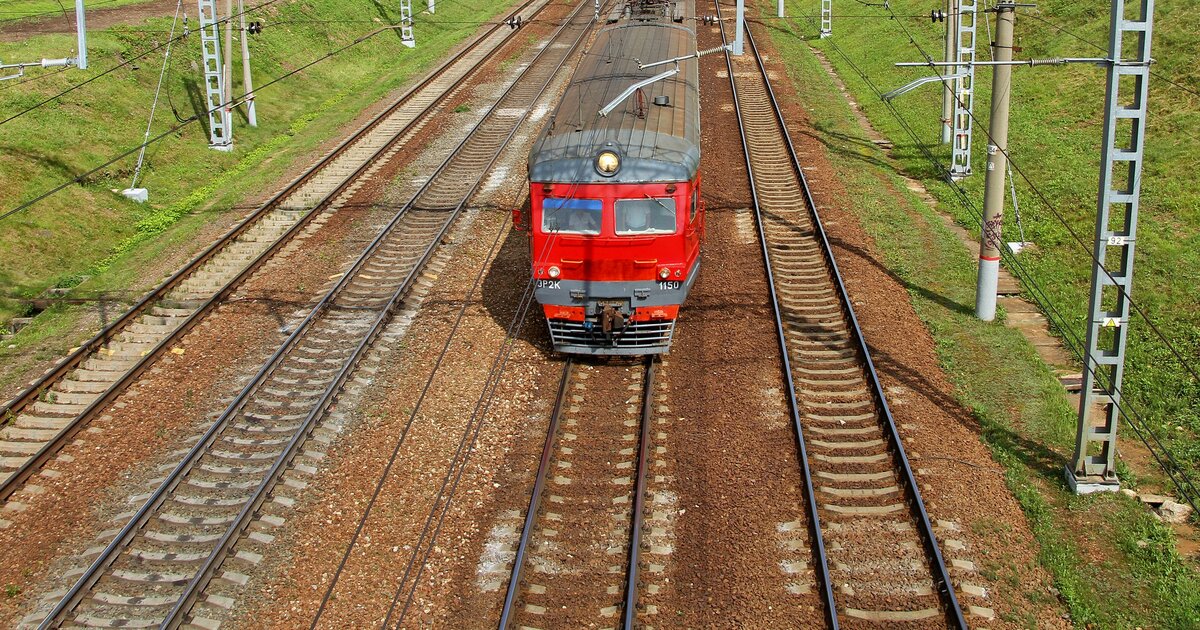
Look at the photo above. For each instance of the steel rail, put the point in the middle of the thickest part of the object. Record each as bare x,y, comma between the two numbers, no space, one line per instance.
953,610
639,499
535,500
176,617
822,564
28,396
138,521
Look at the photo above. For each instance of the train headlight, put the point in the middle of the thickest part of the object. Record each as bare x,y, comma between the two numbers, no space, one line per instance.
608,163
664,273
554,272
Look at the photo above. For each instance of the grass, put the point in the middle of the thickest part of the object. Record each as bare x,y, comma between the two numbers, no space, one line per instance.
1055,140
1113,564
48,10
101,244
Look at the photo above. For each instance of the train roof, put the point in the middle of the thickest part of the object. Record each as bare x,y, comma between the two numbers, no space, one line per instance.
660,145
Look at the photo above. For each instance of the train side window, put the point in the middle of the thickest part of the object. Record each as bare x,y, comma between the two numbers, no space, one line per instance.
645,216
695,205
572,216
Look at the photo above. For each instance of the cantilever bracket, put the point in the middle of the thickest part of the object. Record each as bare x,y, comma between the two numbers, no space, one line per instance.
904,89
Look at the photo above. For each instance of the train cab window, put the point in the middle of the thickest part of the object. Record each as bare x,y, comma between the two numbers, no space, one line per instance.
572,216
645,216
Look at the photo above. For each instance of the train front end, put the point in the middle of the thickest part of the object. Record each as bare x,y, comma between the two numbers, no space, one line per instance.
612,263
615,218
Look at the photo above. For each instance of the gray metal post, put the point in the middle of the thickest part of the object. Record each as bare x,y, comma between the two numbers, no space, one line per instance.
950,57
993,197
80,35
227,96
964,101
1093,466
741,26
251,115
826,18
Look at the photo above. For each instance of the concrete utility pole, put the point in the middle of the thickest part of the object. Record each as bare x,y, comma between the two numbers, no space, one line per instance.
432,8
251,117
951,84
1093,467
993,196
779,6
738,46
227,97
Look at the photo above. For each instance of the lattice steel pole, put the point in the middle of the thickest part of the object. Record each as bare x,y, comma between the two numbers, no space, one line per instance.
1093,467
406,24
964,102
219,132
826,18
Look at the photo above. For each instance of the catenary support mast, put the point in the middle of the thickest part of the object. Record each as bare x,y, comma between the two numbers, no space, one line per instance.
219,132
251,115
1093,466
964,101
997,164
951,84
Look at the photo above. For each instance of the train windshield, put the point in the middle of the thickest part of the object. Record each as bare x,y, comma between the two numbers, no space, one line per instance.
572,216
645,216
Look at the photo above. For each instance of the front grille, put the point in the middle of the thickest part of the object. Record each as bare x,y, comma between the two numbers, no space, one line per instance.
653,337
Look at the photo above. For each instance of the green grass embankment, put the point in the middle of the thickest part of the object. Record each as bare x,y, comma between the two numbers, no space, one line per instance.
88,231
1055,138
1114,565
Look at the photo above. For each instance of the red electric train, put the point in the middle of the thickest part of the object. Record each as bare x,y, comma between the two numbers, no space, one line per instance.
615,213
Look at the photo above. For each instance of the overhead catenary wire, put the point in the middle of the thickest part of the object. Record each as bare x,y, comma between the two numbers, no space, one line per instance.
1083,244
1061,29
474,420
231,103
123,64
1175,472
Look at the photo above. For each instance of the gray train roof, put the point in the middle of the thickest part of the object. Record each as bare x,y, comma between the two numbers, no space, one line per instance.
662,146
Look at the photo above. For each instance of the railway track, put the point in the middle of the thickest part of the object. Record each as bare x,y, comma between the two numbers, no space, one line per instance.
52,410
878,560
578,557
177,560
